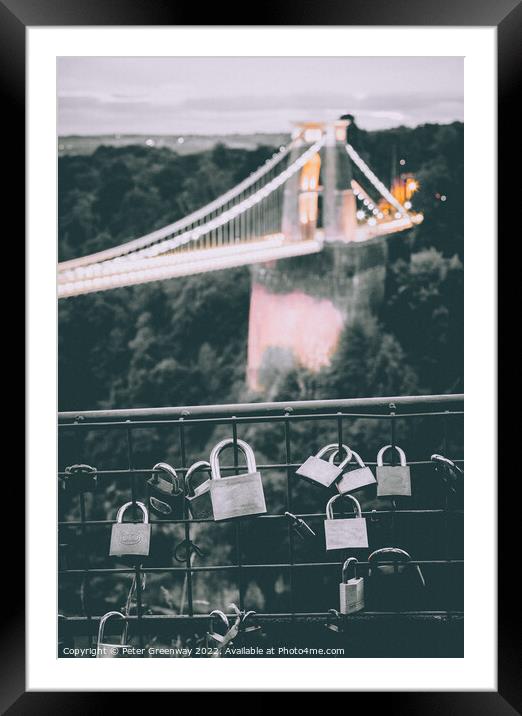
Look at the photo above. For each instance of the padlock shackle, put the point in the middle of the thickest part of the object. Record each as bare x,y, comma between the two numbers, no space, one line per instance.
218,449
401,554
125,507
221,615
105,618
351,561
358,458
380,454
334,448
192,469
329,505
168,470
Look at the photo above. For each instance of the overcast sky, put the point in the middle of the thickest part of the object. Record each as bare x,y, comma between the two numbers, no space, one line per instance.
223,95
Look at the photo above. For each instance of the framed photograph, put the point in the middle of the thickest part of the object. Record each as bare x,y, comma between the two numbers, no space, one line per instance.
260,262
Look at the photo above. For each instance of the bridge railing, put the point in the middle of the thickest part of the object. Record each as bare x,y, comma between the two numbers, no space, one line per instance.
441,420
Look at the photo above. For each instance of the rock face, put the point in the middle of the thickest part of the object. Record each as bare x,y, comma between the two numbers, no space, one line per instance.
299,307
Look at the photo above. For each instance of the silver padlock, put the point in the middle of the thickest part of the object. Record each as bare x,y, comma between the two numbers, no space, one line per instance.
322,472
129,539
393,479
198,498
351,590
349,533
105,650
237,495
355,479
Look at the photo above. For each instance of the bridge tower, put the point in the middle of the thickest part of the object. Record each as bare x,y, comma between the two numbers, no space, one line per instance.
320,196
299,307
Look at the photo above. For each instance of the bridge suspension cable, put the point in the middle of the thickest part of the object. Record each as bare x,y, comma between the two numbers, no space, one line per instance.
377,183
181,224
252,215
368,201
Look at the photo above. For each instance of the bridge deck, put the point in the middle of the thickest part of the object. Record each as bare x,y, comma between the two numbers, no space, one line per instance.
191,262
171,265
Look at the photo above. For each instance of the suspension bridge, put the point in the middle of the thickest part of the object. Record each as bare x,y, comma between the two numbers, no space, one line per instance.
303,196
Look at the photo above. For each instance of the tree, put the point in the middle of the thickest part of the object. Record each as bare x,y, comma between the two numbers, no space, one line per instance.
424,309
369,362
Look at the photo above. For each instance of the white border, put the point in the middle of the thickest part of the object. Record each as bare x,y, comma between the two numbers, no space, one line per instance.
477,670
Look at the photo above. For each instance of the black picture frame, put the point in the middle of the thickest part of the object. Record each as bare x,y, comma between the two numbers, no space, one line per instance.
506,15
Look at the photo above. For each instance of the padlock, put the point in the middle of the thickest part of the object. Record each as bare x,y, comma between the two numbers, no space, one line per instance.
301,528
216,641
452,475
250,632
198,498
164,496
351,589
393,582
79,478
334,622
355,479
350,533
130,539
393,479
213,638
253,627
238,495
106,650
322,472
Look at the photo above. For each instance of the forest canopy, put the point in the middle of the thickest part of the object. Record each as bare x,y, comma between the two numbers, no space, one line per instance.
183,341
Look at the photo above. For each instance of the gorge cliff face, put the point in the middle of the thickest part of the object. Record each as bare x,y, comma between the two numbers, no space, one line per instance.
299,308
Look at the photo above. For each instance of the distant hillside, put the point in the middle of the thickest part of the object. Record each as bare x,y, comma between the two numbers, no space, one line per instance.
186,144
